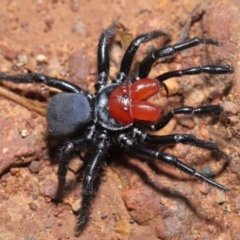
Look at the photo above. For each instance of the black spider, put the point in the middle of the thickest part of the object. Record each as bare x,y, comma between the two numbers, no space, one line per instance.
117,114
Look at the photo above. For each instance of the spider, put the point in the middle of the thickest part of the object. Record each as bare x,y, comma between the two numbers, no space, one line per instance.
118,113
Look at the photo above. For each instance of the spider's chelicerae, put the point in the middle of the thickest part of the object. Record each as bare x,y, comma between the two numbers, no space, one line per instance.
118,114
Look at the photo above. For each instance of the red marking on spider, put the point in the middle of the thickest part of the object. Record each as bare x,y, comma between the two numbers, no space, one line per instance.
128,102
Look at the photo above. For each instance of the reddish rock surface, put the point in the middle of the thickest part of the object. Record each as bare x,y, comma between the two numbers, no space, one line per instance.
137,199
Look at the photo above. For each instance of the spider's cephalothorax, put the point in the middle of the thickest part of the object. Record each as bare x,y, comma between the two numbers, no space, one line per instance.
118,114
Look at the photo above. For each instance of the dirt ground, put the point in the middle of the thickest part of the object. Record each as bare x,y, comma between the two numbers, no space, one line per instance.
136,199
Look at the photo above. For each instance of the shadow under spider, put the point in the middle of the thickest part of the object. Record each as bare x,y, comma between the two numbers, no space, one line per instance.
166,191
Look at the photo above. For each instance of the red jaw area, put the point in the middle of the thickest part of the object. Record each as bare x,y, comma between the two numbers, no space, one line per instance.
127,102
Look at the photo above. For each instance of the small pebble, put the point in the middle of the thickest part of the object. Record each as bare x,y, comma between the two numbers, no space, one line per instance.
4,150
48,224
10,54
35,166
79,28
57,212
22,59
204,189
104,216
14,171
24,133
76,205
33,206
30,237
131,221
220,198
74,5
40,58
49,189
59,224
207,171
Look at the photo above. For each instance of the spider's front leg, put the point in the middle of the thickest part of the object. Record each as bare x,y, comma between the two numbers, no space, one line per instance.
148,61
49,81
131,50
129,144
103,56
210,69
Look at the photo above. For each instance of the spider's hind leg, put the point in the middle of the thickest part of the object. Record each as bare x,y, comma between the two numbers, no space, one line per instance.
187,139
91,172
65,156
145,152
131,50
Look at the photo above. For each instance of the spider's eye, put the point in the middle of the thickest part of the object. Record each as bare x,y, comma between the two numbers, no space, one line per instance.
67,114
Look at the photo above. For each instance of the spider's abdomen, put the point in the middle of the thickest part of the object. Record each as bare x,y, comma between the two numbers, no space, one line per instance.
67,114
127,102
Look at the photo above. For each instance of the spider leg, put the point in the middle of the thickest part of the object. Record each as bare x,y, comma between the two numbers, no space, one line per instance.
91,172
65,156
103,56
131,50
148,61
201,110
49,81
210,69
187,139
128,143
